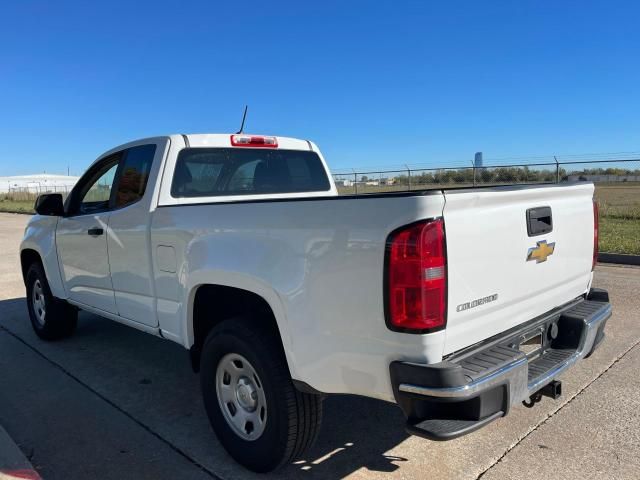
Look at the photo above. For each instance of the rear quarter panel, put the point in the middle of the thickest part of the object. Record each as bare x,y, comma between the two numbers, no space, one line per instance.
318,263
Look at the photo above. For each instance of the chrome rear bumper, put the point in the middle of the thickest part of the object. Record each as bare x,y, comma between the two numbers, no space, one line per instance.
482,383
515,374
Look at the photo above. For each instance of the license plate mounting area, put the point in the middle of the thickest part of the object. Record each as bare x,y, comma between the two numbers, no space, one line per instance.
532,343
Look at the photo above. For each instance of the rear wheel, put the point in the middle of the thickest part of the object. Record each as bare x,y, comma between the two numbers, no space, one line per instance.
51,317
260,418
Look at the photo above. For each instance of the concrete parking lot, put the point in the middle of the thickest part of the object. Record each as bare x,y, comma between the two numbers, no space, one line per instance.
114,403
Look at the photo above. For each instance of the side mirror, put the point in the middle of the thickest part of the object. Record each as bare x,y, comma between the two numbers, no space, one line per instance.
50,204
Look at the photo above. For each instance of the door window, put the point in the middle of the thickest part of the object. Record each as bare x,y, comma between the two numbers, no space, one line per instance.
95,192
132,180
117,181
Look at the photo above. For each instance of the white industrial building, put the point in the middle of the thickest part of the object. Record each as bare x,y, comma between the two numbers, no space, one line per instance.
40,183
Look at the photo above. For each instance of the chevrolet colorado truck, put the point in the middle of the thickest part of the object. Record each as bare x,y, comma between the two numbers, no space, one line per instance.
455,304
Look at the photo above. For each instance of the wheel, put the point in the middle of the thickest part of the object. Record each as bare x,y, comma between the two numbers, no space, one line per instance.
51,318
258,415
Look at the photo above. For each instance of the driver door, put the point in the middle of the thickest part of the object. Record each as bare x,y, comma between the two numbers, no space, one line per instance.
81,237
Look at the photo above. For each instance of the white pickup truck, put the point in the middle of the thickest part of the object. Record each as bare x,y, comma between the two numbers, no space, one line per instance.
456,304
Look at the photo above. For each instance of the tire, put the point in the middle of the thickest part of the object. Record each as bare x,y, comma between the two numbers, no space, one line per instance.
291,418
51,318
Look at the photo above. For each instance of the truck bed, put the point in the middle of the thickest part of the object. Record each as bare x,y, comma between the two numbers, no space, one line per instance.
320,263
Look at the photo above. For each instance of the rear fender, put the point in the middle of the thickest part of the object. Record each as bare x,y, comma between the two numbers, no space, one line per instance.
243,282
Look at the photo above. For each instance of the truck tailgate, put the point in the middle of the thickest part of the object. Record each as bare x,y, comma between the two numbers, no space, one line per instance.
492,285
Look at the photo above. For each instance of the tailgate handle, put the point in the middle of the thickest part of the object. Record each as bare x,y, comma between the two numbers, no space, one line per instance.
539,221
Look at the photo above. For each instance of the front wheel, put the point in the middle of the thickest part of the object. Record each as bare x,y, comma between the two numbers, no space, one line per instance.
51,318
260,418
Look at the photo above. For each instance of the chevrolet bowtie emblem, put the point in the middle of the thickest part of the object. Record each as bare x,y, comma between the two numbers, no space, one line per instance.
541,251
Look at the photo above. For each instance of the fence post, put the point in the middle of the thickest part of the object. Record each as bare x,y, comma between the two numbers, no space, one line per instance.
473,165
355,182
408,176
557,170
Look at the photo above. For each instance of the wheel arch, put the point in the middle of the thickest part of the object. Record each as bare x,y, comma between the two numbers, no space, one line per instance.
211,303
28,257
39,244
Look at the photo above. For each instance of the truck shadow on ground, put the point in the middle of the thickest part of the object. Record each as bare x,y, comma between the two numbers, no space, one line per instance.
151,381
356,433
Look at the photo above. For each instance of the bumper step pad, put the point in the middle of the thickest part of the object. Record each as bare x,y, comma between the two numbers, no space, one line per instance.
488,361
548,361
441,429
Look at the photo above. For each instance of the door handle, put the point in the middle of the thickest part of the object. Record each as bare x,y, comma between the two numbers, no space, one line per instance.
539,221
95,232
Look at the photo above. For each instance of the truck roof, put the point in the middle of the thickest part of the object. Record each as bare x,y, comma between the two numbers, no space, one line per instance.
219,140
224,140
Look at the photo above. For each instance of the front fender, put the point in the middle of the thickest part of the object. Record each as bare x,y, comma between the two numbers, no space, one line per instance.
40,236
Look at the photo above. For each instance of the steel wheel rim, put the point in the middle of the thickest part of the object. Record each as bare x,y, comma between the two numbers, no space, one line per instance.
39,303
241,396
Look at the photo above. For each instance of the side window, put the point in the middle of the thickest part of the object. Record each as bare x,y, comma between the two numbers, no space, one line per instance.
134,174
95,191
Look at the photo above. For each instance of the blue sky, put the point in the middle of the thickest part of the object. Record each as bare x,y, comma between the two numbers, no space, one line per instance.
373,83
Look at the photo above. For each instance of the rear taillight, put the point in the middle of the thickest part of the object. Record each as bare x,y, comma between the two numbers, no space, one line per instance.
595,233
416,277
257,141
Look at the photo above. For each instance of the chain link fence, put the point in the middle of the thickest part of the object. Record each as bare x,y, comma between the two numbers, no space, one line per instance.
31,192
421,178
617,182
22,199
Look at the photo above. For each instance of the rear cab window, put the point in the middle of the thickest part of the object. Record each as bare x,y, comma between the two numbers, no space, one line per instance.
209,172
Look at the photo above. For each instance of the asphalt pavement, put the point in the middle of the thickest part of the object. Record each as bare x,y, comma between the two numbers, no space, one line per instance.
112,402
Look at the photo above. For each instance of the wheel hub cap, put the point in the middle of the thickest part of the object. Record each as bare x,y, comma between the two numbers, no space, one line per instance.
247,394
38,302
241,396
